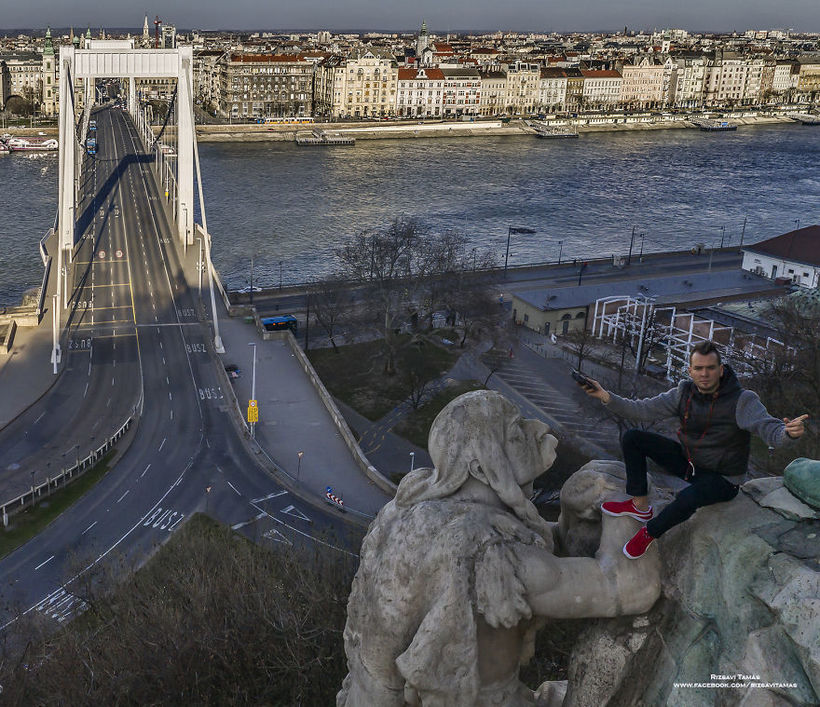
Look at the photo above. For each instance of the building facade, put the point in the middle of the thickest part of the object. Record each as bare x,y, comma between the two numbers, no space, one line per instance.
420,93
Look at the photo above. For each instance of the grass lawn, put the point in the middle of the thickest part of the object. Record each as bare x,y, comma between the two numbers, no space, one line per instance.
416,426
25,525
355,375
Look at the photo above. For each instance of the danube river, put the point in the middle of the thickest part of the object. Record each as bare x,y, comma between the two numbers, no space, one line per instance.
290,207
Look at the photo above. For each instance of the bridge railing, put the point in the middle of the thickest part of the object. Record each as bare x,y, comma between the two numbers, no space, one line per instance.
46,258
52,483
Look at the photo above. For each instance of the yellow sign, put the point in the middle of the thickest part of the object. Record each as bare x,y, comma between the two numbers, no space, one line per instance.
253,413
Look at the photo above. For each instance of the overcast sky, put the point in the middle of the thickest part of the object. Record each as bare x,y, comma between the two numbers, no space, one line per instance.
441,15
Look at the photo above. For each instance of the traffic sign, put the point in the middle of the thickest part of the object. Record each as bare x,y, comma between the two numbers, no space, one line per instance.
118,254
253,413
252,403
101,254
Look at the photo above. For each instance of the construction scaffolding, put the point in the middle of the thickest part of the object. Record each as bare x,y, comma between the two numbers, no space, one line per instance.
671,334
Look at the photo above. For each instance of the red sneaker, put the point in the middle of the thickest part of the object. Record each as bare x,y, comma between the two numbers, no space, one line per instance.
639,544
626,508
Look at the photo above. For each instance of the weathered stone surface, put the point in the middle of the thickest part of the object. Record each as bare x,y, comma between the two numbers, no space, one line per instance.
802,478
772,492
735,602
457,571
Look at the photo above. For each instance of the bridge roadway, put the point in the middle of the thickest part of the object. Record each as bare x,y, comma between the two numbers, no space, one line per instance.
136,335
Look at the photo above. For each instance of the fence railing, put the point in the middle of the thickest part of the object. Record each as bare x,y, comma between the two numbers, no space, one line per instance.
52,483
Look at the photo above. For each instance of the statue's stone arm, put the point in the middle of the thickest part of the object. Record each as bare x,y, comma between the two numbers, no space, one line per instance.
582,587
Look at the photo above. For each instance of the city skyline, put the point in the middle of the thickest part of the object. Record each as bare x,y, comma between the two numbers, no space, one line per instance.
370,15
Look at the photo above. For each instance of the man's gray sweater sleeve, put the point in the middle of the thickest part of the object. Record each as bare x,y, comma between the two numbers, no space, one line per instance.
752,415
660,407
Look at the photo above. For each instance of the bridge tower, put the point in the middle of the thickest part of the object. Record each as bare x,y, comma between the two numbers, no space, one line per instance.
111,60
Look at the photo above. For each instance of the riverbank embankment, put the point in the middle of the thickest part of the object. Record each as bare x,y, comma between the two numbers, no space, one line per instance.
406,130
395,130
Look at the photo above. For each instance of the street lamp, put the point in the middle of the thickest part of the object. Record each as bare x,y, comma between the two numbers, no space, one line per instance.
797,223
280,276
722,235
510,231
560,250
640,255
299,464
412,461
253,387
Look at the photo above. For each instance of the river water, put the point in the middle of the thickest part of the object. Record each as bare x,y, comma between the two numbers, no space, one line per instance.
289,205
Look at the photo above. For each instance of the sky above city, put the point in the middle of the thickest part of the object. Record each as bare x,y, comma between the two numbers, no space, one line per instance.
441,16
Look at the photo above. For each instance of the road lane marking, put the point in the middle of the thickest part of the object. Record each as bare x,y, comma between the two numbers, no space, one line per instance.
234,488
237,526
275,494
44,563
89,528
146,469
170,397
123,496
296,513
163,444
42,414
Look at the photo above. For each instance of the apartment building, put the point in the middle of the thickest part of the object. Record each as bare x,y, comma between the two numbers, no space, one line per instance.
602,88
642,86
265,85
462,92
689,80
522,87
493,93
552,89
808,79
365,84
420,93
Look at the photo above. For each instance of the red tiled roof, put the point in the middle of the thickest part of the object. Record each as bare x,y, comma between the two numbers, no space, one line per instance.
802,245
552,73
600,74
411,74
442,48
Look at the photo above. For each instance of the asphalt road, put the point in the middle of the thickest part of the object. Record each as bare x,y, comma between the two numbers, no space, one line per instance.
139,339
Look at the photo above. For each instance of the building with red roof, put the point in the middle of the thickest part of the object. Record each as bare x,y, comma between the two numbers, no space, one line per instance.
794,255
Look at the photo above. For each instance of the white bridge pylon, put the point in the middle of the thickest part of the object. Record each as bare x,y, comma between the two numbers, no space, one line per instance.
117,62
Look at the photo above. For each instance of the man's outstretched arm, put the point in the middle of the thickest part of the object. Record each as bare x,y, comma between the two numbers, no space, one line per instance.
752,415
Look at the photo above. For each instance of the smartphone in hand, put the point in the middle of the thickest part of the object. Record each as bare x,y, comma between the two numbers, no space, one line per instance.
581,379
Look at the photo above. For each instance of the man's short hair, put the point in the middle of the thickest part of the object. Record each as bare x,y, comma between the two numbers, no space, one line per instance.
704,348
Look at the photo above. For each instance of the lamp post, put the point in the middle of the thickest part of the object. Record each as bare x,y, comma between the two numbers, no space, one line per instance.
560,250
510,231
640,255
253,387
631,243
412,460
280,276
797,223
722,235
252,283
299,464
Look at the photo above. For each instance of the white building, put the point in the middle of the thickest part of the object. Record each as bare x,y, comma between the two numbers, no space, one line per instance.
420,93
794,255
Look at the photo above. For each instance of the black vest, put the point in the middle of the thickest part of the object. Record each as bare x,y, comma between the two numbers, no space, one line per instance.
709,432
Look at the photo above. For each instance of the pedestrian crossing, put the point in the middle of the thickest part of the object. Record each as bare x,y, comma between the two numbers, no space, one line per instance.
570,417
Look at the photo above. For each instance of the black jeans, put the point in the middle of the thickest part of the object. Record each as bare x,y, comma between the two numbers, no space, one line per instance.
706,486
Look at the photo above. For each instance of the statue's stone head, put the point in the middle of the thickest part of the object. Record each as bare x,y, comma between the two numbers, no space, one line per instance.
481,437
482,431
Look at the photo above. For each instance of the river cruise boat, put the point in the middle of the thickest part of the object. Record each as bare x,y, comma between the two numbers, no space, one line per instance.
24,144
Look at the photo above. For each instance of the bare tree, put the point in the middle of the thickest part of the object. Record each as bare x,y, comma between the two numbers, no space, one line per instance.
330,300
581,342
406,272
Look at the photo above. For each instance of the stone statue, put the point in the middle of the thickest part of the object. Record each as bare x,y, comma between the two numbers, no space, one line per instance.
459,570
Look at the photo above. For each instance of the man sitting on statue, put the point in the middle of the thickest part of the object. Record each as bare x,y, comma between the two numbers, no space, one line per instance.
717,418
458,571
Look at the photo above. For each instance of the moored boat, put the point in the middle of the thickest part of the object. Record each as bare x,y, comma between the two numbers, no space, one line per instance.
24,144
